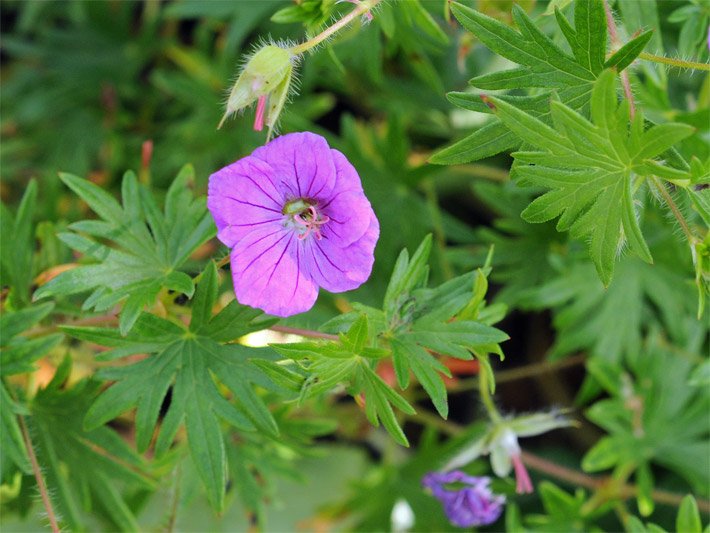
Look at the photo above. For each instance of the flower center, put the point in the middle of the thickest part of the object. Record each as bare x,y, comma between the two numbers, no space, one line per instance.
305,217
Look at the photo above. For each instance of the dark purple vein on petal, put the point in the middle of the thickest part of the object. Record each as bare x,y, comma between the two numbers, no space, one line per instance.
313,178
279,261
315,261
262,190
255,223
251,263
298,272
328,258
253,205
295,172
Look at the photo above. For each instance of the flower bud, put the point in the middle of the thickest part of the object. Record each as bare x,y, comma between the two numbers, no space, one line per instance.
265,79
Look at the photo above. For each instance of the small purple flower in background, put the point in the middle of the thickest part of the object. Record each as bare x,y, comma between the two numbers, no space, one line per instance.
473,504
296,218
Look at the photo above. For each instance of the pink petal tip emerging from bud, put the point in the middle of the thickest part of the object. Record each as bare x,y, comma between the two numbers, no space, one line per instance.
259,117
523,485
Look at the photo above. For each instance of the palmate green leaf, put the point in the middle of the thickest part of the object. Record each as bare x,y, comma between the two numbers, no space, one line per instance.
328,364
610,323
590,169
420,320
150,246
542,64
83,468
192,362
669,427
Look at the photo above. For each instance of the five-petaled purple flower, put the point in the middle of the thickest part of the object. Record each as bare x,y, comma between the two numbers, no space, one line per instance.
472,504
296,218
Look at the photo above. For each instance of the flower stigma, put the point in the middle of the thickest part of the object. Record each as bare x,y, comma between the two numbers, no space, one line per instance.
303,216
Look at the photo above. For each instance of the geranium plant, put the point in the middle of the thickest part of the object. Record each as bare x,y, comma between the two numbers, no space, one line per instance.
452,274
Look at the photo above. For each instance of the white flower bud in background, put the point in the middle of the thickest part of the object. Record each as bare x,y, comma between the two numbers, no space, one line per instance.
402,516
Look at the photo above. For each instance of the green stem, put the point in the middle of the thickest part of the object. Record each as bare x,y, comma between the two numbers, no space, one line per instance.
363,6
485,393
673,62
41,485
676,212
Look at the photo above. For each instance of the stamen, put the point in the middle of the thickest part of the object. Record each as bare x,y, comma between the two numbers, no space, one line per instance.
311,221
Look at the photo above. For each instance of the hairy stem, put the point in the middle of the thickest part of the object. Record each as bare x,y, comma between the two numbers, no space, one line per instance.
673,62
305,333
363,6
624,75
674,209
41,486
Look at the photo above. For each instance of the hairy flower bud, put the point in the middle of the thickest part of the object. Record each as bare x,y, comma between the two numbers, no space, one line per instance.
265,80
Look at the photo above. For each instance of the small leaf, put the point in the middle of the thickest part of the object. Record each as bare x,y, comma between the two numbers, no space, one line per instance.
426,368
102,203
625,55
604,454
17,358
358,334
13,323
17,251
631,226
13,445
379,398
644,481
407,275
688,519
205,297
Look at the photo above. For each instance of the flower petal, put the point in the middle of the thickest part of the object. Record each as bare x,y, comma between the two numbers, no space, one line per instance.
347,178
303,163
341,269
349,213
242,196
268,273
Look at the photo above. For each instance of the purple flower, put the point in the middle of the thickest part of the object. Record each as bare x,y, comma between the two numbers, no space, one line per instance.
296,218
473,504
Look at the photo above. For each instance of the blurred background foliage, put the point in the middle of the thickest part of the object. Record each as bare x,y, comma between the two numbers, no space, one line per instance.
95,88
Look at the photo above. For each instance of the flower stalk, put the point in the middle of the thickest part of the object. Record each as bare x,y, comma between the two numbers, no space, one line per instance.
363,7
675,62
